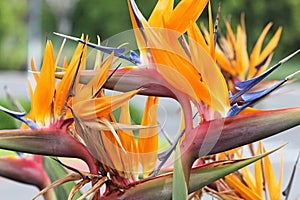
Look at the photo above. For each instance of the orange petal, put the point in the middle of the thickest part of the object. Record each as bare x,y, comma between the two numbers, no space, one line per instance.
249,178
136,18
34,71
210,72
242,189
186,11
148,138
254,57
274,187
127,137
44,91
174,65
268,50
60,51
242,48
241,53
195,33
64,85
162,10
88,91
131,163
91,108
230,36
211,33
224,63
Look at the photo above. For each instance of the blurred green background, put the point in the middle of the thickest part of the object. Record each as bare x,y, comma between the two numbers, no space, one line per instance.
109,17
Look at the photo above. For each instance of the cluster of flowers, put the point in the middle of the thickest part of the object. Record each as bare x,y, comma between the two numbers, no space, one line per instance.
73,115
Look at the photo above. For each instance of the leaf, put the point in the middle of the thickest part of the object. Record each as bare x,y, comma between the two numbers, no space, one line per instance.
200,177
55,171
180,191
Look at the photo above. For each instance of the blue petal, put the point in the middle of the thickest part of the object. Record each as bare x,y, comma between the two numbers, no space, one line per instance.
262,63
215,38
137,15
255,96
244,86
20,116
30,123
234,110
253,81
136,12
14,114
135,57
117,51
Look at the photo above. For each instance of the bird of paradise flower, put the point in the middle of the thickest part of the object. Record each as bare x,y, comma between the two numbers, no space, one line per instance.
157,54
80,117
70,109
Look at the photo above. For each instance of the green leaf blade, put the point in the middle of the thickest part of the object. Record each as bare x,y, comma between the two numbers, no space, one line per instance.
161,187
180,191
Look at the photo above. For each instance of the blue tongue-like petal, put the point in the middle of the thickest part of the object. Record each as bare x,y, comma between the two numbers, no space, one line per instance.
254,96
244,86
14,114
134,57
250,98
20,116
118,52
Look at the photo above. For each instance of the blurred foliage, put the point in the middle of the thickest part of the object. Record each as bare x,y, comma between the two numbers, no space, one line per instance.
13,34
109,17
